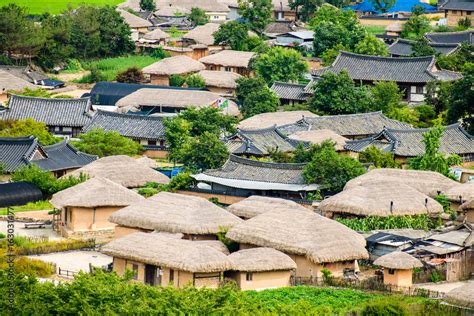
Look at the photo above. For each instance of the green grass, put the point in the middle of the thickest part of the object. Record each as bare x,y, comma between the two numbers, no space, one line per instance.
32,206
37,7
374,29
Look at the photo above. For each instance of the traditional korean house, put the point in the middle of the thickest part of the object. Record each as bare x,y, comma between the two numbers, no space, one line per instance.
290,93
154,38
161,260
256,205
136,23
398,268
34,76
244,177
223,83
408,143
9,82
65,117
194,217
159,73
459,194
149,131
456,10
261,268
295,38
316,137
265,120
306,237
468,209
410,73
85,207
451,37
404,48
202,34
229,60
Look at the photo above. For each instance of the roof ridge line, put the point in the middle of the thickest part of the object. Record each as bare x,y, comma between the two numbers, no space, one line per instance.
256,163
383,57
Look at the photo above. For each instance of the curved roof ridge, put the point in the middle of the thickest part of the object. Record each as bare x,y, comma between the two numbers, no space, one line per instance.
117,114
256,163
19,138
386,57
449,33
256,131
61,144
48,99
417,130
288,83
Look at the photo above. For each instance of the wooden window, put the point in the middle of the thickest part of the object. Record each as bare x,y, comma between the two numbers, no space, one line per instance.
229,69
135,271
468,12
419,89
454,11
391,271
249,276
152,142
171,275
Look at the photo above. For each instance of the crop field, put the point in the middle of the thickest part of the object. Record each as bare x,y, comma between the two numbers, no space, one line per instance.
37,7
374,29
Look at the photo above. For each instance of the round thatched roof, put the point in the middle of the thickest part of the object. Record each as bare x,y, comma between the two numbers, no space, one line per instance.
319,136
302,233
469,205
379,200
398,260
203,34
216,244
220,79
123,170
265,120
427,182
256,205
463,192
148,162
261,259
95,192
156,35
175,65
174,253
463,295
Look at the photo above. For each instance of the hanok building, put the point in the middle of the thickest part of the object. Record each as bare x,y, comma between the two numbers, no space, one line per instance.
460,194
244,177
404,48
161,260
194,217
137,24
295,39
278,119
457,10
290,93
408,143
223,83
65,117
451,37
410,73
19,193
160,72
60,158
154,38
306,237
229,60
149,131
34,76
398,268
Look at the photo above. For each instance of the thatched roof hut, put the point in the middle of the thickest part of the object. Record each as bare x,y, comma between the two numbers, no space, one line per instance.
265,120
176,213
9,82
175,65
229,58
203,34
256,205
95,192
216,244
123,170
261,259
220,79
148,162
469,205
398,260
428,182
133,20
160,250
379,200
319,136
394,27
301,233
463,295
156,35
461,193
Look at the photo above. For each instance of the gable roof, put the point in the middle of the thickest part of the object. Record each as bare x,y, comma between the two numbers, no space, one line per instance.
265,120
409,142
229,58
220,79
129,125
155,35
133,20
203,34
451,37
464,5
175,65
404,47
52,112
16,152
290,91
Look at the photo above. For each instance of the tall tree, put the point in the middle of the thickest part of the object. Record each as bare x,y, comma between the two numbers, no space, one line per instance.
461,98
198,16
305,8
421,48
57,47
27,127
386,97
370,45
383,5
107,143
233,34
147,5
255,97
257,13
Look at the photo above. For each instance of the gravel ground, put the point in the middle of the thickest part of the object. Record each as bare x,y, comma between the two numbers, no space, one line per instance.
20,230
443,287
75,260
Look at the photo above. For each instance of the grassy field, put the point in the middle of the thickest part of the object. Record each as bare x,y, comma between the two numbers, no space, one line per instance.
37,7
374,29
32,206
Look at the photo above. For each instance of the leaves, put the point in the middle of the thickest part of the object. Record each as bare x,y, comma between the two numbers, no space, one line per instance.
370,45
27,128
255,97
197,16
257,13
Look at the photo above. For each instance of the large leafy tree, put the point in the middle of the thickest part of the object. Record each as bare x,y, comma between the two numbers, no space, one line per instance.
458,60
383,5
255,97
257,13
421,48
107,143
370,45
378,158
386,96
198,16
27,127
461,99
147,5
305,8
233,33
205,151
416,27
280,64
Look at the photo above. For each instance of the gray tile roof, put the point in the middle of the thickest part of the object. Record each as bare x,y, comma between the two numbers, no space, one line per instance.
290,91
349,125
372,68
52,112
403,47
129,125
451,37
464,5
16,152
409,142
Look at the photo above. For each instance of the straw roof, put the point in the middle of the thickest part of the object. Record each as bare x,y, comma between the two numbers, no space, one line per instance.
463,192
10,82
229,58
398,260
394,27
216,244
148,162
95,192
463,295
134,21
427,182
203,34
270,119
301,233
319,136
261,259
123,170
375,200
176,213
175,65
221,79
172,11
469,205
256,205
160,250
156,35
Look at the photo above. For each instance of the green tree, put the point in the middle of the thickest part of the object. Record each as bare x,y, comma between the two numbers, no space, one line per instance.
404,114
421,48
28,127
255,97
305,8
205,151
461,95
147,5
370,45
107,143
208,119
383,5
195,81
337,94
416,27
426,115
198,16
458,60
280,64
386,96
131,75
330,55
464,23
257,13
233,34
380,159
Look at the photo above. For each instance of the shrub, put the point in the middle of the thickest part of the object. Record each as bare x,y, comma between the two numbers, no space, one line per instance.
147,192
327,276
384,308
2,235
160,53
29,266
195,81
177,80
131,75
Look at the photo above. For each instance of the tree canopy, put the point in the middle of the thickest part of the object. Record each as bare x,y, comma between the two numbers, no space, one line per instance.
370,45
257,13
147,5
198,16
378,158
255,97
27,127
107,143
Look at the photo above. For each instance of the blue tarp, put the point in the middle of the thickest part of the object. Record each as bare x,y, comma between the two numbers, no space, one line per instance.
401,6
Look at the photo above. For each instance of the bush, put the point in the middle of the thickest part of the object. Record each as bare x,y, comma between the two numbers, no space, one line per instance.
2,235
29,266
107,143
195,81
160,53
131,75
368,223
383,308
177,80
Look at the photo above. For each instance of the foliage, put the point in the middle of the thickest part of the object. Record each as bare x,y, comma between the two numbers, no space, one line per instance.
329,169
374,29
370,45
383,5
40,245
305,8
383,308
255,97
369,223
337,94
327,276
31,206
329,55
177,80
28,127
464,23
415,27
195,81
426,115
257,13
107,143
131,75
147,5
231,245
380,159
54,6
462,98
386,97
29,266
198,16
205,151
159,53
277,155
458,60
421,48
435,276
233,34
404,114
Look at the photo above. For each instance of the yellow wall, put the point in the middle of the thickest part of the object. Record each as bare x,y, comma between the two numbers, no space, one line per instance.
470,216
399,278
3,97
263,280
454,17
83,218
161,80
121,231
155,153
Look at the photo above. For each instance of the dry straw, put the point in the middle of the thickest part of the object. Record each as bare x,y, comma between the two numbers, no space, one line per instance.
398,260
261,259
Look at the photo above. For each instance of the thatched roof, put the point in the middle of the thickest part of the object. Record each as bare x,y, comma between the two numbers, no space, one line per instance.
9,82
427,182
394,27
164,251
203,34
463,192
123,170
175,65
256,205
318,136
156,35
380,200
172,11
95,192
463,295
148,162
469,205
216,244
302,233
229,58
261,259
176,213
220,79
133,20
398,260
270,119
